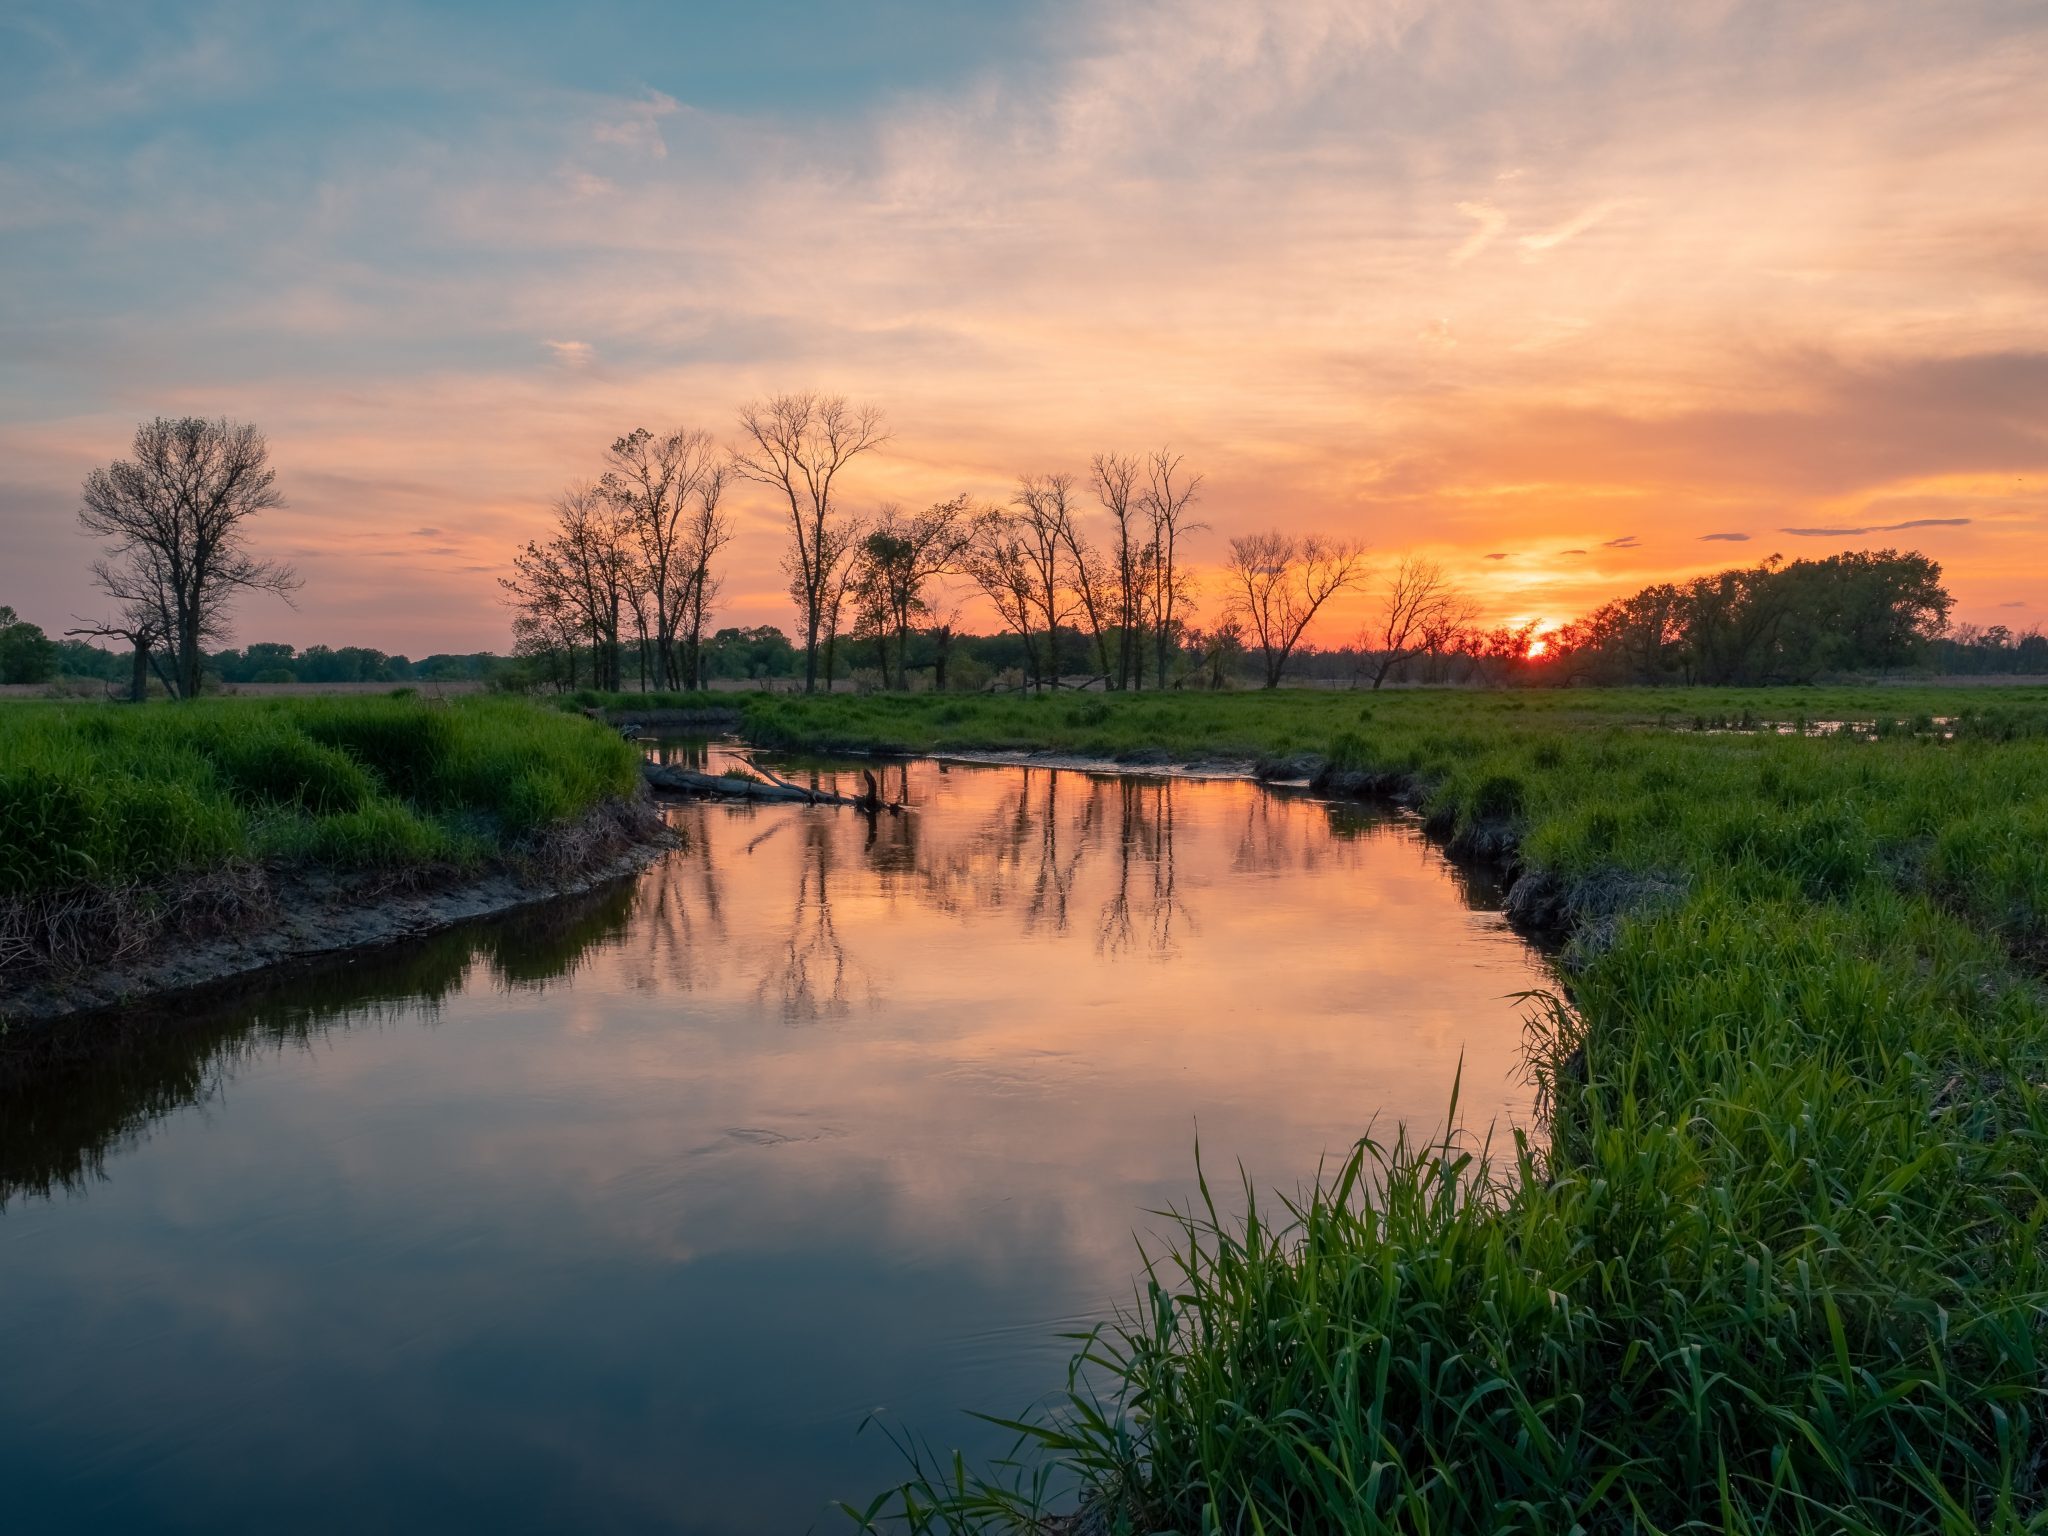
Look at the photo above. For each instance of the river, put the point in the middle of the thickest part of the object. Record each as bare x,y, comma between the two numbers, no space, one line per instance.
624,1214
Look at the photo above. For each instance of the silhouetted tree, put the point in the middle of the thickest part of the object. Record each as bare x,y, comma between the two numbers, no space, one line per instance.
1278,582
1420,610
1169,492
176,515
798,444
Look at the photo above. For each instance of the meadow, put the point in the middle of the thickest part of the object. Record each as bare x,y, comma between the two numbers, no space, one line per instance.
112,816
1781,1263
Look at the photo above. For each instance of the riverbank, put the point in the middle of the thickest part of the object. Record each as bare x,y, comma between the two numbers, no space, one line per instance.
1781,1266
154,848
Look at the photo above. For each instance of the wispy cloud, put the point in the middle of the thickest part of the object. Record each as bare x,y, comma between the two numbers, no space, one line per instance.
1571,229
1724,538
1626,541
636,125
1499,554
1491,222
1843,533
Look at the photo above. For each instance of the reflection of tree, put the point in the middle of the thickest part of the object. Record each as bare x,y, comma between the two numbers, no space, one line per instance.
679,932
72,1094
810,980
1144,849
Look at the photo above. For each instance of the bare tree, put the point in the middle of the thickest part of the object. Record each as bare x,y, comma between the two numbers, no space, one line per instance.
1420,610
177,516
1092,579
708,531
1115,478
1169,492
1043,518
902,556
798,444
653,481
579,581
839,566
999,563
138,626
1278,581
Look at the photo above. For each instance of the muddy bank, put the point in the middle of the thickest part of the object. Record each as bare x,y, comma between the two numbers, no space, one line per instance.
278,917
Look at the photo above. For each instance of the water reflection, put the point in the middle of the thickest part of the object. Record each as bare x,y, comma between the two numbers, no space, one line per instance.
626,1212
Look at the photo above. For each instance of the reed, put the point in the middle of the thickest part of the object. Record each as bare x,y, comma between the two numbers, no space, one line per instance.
105,805
1781,1263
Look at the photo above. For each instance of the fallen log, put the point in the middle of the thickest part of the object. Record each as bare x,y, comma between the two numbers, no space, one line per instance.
687,781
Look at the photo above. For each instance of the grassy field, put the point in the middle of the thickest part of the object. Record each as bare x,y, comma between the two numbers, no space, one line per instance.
1783,1265
97,799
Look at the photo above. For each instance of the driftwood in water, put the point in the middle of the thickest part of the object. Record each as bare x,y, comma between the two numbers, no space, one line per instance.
687,781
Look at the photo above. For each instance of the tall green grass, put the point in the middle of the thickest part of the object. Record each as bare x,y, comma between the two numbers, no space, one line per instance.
96,795
1781,1263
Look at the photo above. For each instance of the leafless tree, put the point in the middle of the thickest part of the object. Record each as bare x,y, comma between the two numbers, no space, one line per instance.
838,557
1169,492
1091,576
580,580
998,562
1115,478
176,516
708,531
138,626
901,557
798,444
1420,610
657,485
1042,514
1278,581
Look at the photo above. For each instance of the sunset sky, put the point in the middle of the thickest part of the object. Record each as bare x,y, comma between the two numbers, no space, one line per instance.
1574,296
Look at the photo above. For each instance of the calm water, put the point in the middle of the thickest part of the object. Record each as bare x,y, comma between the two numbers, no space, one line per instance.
623,1215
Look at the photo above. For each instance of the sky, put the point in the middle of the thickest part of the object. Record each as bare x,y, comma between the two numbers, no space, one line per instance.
1569,295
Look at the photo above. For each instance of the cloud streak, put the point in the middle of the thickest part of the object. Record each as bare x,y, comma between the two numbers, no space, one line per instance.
1852,532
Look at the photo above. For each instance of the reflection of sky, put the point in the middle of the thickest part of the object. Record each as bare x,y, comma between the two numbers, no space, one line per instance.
1613,292
833,1125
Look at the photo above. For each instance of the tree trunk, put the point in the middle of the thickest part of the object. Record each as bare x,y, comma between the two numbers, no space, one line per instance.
138,679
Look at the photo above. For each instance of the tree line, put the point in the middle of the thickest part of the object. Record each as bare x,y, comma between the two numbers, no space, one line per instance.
1778,622
628,566
1089,576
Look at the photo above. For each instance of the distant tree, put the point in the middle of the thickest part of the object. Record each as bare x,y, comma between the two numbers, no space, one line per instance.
139,626
177,518
1420,610
1170,491
1773,622
1042,517
577,584
799,445
665,490
1115,479
27,655
901,557
999,563
838,562
1278,582
1220,649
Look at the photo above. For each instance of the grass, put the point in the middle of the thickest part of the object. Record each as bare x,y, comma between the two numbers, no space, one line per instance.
1782,1264
98,799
